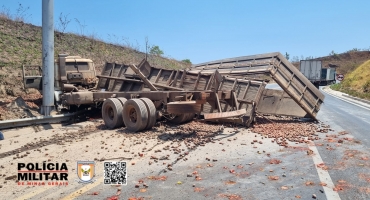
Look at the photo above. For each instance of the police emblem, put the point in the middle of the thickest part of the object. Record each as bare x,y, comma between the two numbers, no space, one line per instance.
85,171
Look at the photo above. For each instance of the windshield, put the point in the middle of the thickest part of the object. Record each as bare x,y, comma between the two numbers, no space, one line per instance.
73,66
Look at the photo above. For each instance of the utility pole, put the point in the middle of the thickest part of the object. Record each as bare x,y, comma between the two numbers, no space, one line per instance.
47,57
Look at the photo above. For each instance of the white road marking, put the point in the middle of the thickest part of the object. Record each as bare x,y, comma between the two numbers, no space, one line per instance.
323,175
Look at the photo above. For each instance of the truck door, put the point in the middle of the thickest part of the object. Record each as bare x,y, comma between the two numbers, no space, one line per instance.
32,77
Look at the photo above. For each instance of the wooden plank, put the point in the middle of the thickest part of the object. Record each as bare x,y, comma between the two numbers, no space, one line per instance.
182,79
183,107
102,83
218,104
225,114
197,82
119,78
175,80
145,80
168,87
235,100
118,83
210,81
170,78
229,120
234,85
158,76
245,94
222,83
245,101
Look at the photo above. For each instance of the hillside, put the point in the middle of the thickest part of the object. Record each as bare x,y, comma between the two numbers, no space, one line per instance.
21,44
357,82
359,79
344,62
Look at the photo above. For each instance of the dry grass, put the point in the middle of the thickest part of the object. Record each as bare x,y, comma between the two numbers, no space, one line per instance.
356,83
359,79
21,43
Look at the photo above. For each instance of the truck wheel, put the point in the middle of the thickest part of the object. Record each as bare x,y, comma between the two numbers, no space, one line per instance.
112,113
152,118
123,101
190,117
135,115
182,118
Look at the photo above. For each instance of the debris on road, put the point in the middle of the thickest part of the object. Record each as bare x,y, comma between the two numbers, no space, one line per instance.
286,129
274,178
309,183
322,166
275,161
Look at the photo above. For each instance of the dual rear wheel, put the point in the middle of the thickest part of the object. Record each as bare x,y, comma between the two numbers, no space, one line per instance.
135,114
182,118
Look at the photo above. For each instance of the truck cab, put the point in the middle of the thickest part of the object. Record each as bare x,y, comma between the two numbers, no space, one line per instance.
76,71
69,72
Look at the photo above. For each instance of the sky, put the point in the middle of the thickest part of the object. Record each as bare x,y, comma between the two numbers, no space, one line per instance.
206,30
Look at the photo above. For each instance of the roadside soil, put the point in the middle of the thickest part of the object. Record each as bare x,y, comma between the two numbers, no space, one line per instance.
15,101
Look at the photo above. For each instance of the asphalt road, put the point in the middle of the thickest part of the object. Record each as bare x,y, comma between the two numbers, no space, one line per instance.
350,161
349,173
231,167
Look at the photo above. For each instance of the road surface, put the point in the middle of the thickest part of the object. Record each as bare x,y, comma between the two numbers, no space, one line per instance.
228,166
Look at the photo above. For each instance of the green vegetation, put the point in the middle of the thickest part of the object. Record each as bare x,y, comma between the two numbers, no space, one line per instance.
21,43
186,61
155,50
336,86
356,83
287,55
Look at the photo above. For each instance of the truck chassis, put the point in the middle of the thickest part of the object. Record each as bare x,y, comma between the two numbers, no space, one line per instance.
137,96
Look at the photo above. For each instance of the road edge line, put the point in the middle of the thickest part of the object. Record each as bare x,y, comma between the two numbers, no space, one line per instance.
324,175
345,100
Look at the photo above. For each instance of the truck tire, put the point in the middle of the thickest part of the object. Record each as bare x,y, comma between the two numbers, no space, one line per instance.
190,117
152,117
135,115
182,118
112,113
123,101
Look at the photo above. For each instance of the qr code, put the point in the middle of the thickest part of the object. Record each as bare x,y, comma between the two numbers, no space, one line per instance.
115,173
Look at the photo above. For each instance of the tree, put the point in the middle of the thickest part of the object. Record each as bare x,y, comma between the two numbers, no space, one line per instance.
63,22
155,50
287,55
295,59
186,61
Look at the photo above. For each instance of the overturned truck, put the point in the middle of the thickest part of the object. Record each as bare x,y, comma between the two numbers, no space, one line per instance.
137,96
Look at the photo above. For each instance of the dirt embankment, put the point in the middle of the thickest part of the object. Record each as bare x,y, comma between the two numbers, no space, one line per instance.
354,65
344,63
21,44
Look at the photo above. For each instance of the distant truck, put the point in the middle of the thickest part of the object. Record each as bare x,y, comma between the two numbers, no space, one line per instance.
313,71
327,76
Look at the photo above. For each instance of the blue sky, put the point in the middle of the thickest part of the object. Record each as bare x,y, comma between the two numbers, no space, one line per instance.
205,30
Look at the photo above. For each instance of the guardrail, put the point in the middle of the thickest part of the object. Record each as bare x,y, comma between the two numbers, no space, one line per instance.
38,120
